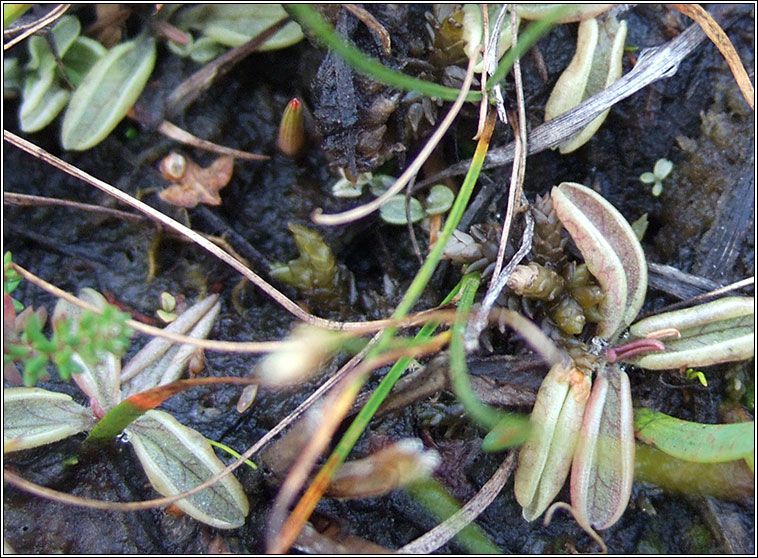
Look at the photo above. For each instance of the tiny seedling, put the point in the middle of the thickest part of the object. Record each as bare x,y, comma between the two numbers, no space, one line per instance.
661,171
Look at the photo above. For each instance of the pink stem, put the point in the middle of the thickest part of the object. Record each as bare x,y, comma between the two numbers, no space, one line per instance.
636,347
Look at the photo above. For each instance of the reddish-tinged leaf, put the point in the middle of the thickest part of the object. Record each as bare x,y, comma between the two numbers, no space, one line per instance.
603,468
133,407
610,249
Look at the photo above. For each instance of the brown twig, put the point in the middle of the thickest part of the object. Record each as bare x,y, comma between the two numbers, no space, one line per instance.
12,198
176,133
54,14
372,23
191,88
195,237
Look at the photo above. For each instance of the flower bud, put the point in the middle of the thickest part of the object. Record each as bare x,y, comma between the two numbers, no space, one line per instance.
291,129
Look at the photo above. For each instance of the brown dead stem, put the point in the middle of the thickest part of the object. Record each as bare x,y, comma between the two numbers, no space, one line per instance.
719,38
195,237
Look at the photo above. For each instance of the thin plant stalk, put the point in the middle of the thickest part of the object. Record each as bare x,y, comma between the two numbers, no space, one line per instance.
482,414
195,237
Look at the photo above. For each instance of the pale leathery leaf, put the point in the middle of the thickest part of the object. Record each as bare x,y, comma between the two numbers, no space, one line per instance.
177,458
603,468
545,458
610,249
595,66
161,362
711,333
34,417
694,441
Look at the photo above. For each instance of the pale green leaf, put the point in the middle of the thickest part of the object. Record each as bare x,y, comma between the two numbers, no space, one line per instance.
44,112
545,458
107,93
36,86
393,211
662,168
693,441
439,200
34,417
235,24
81,57
603,468
596,65
711,333
177,458
647,178
161,362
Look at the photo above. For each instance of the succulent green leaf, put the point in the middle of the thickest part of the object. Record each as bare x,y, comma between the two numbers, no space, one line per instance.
204,50
63,36
595,66
545,458
393,211
439,200
53,101
235,24
161,362
603,468
693,441
610,249
107,93
80,58
177,458
647,178
662,168
34,417
711,333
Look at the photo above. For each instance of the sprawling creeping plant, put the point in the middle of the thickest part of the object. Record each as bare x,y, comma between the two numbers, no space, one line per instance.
593,433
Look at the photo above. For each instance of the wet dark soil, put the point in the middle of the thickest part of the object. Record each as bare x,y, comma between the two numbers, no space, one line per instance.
702,223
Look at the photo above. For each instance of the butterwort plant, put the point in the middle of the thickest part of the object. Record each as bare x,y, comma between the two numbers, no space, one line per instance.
587,427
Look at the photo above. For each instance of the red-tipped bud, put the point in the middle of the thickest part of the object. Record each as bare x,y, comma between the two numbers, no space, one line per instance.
291,129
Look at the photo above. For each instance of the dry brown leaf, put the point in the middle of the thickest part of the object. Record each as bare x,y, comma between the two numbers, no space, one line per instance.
194,184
